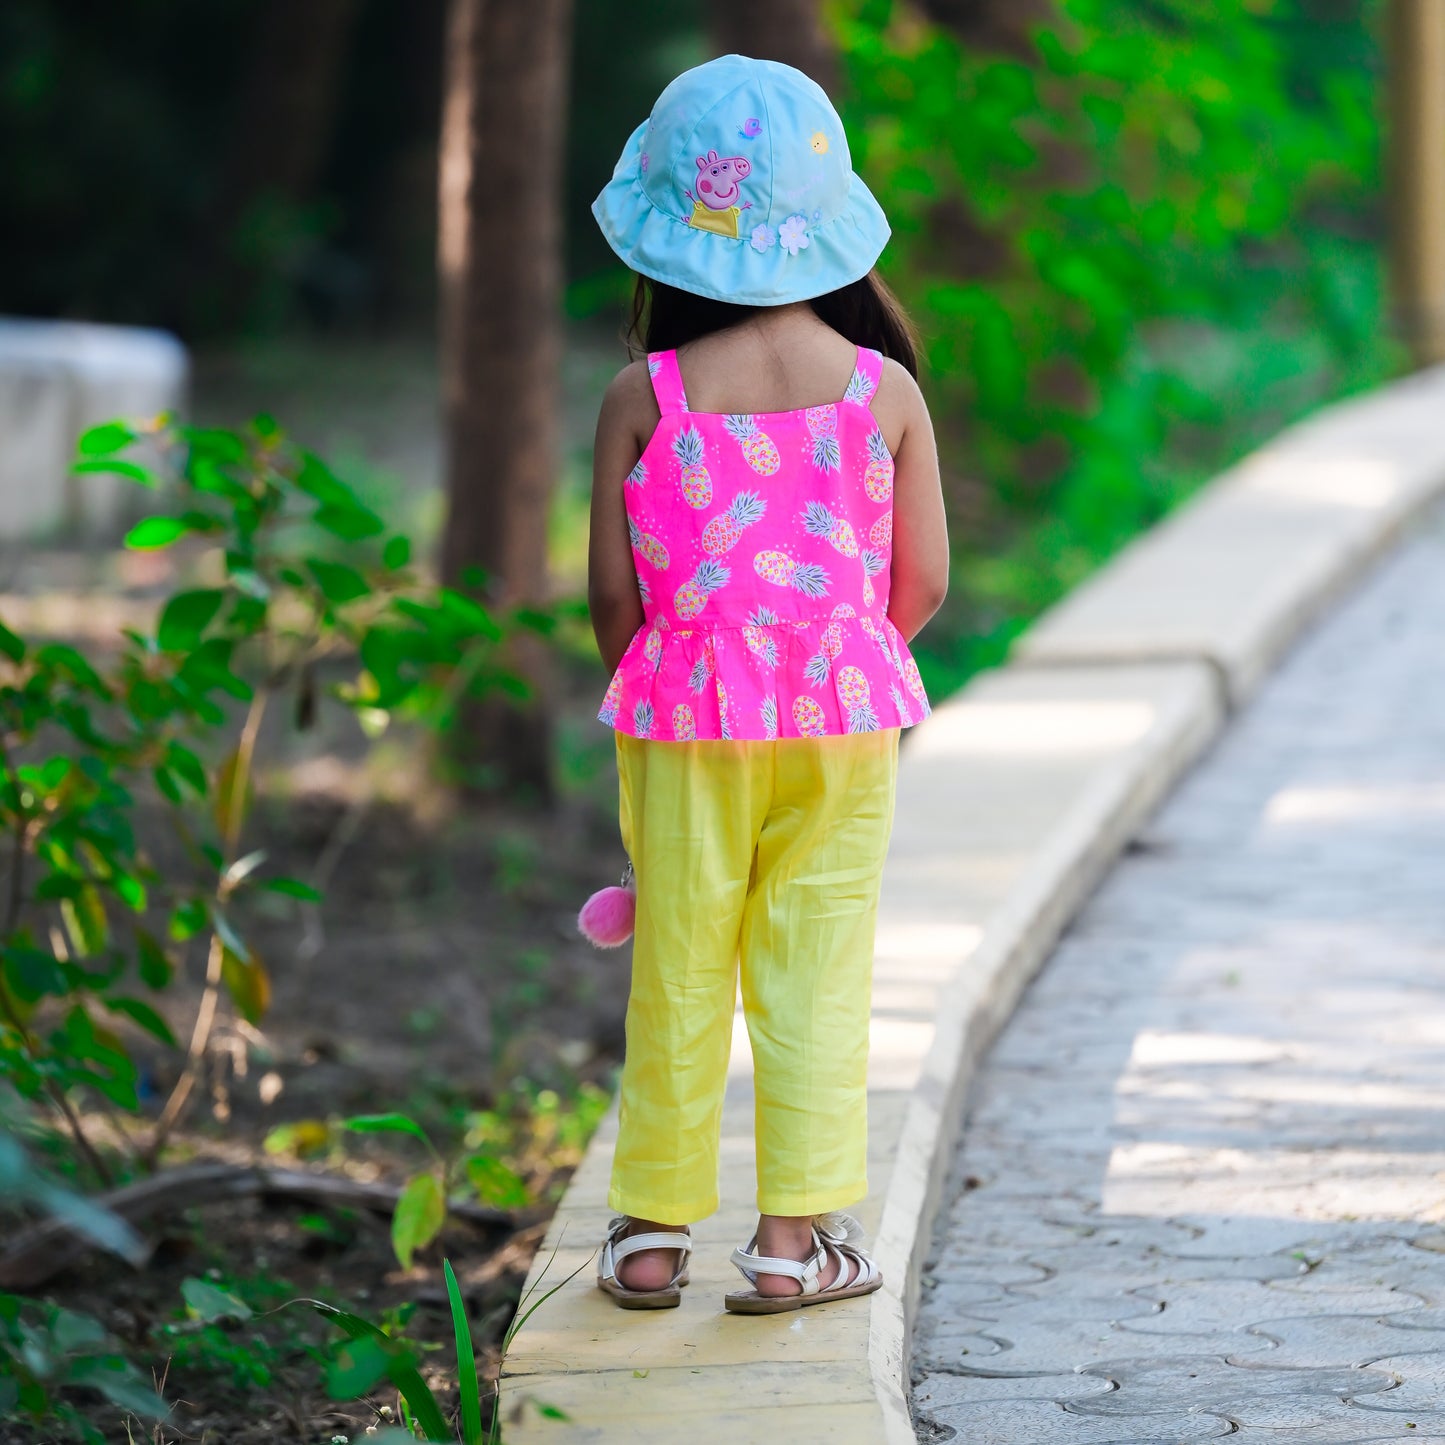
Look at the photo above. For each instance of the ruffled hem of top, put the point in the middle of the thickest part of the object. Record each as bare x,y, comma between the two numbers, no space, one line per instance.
783,680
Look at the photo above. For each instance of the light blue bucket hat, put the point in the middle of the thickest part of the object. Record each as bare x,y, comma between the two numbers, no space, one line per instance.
740,187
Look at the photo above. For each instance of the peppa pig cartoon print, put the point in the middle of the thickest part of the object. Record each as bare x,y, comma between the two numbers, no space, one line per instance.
718,204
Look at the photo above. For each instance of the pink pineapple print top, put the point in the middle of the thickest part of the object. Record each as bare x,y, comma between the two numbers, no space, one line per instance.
762,546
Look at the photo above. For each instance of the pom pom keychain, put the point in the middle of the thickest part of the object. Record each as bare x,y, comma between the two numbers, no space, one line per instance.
608,916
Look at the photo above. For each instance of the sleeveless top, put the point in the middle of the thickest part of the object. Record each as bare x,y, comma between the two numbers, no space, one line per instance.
762,545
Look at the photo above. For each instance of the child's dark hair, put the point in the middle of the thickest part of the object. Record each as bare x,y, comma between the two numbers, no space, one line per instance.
865,311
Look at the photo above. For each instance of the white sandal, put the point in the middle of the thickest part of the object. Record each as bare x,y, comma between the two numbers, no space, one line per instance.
836,1232
618,1246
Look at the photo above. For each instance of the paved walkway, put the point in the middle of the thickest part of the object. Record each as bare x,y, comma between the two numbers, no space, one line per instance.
1201,1189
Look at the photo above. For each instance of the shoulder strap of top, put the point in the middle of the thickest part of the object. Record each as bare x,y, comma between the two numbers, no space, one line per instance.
666,381
863,385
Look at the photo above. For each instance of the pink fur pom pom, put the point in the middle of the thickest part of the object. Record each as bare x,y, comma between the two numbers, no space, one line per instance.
607,917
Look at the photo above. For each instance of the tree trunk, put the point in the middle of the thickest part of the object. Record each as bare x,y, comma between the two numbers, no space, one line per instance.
500,280
1417,174
787,30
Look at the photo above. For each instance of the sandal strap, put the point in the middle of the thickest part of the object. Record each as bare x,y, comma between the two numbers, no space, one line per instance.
806,1272
634,1242
615,1248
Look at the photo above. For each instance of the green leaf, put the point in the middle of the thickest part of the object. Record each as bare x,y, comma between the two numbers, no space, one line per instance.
317,480
155,967
292,888
109,436
396,554
248,984
386,1124
166,783
120,467
155,532
305,1136
188,919
496,1184
420,1213
30,974
351,524
208,1302
471,1399
10,645
86,922
401,1371
229,936
144,1015
186,617
188,767
339,583
130,890
356,1368
67,660
233,797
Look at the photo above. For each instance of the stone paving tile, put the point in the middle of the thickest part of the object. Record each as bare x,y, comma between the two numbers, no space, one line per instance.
1205,1162
1047,1423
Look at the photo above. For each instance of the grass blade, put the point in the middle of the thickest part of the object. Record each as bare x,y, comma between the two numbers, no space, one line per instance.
466,1361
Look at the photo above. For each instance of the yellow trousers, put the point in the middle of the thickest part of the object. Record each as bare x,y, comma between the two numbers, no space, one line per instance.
762,858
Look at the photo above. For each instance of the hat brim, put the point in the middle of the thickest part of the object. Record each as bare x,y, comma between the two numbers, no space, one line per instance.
667,249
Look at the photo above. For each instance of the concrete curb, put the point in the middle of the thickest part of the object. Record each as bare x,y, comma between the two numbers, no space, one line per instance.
1014,800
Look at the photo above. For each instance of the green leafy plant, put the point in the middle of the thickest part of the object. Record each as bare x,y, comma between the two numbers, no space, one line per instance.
48,1353
370,1353
297,581
507,1154
1138,240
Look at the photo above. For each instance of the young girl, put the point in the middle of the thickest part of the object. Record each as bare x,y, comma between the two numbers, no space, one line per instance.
767,534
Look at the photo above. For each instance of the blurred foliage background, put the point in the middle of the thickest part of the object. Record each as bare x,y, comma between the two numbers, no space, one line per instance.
1138,237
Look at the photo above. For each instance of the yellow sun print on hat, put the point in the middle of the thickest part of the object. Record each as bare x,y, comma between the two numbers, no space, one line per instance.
819,143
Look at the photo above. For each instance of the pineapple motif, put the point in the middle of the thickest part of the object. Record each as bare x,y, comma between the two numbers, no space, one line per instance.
760,642
879,636
904,716
856,695
915,683
805,577
644,588
838,532
758,449
860,388
610,700
637,477
648,547
725,530
654,365
873,564
684,726
703,668
808,717
652,648
687,447
691,597
878,475
821,662
823,426
642,718
724,725
880,534
769,714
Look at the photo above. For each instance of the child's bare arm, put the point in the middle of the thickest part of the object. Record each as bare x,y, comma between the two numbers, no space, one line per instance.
622,428
918,581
